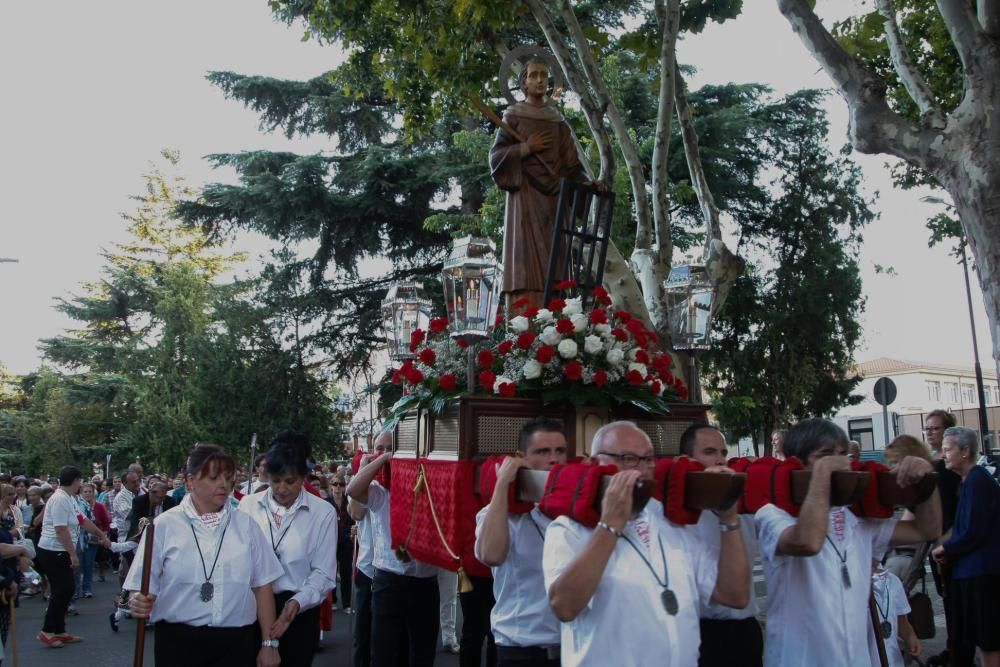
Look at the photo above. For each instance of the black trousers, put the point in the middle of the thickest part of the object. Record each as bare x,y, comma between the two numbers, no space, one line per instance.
477,605
298,645
180,645
402,604
345,566
59,571
525,656
960,656
737,643
362,620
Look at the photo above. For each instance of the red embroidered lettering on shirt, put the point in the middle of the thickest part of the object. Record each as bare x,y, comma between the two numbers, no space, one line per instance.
839,525
642,530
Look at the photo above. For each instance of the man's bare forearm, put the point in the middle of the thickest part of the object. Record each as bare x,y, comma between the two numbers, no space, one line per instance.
571,592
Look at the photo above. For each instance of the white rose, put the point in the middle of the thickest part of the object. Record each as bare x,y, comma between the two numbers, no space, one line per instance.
567,348
544,315
593,344
638,367
631,353
615,357
574,306
580,322
531,370
499,381
603,329
520,324
550,336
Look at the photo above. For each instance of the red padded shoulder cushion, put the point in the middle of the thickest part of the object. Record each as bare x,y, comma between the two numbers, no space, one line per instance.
488,482
674,507
869,505
571,490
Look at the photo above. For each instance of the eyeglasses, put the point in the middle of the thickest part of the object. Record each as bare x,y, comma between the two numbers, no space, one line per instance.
336,484
631,460
932,429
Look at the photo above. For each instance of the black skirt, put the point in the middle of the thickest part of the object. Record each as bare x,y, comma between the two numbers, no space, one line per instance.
975,608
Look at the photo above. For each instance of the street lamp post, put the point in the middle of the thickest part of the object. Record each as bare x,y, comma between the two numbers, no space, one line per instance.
471,278
984,425
689,296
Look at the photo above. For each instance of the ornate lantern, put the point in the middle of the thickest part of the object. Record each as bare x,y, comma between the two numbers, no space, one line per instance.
471,279
404,310
690,296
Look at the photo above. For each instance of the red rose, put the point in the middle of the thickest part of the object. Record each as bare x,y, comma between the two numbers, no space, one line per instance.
623,315
682,392
439,324
520,303
505,347
556,305
417,337
525,340
498,322
565,284
544,354
661,362
619,334
667,376
678,383
485,359
634,378
601,295
635,326
531,312
462,343
598,316
397,377
641,356
486,380
656,387
447,382
415,376
573,371
507,389
564,326
427,356
600,378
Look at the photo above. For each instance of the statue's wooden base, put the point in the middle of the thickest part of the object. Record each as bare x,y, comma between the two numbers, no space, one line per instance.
475,427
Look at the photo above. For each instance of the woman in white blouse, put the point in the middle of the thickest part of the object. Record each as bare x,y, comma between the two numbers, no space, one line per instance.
302,529
211,576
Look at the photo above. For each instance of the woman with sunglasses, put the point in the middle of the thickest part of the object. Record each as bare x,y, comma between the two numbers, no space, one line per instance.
301,529
345,544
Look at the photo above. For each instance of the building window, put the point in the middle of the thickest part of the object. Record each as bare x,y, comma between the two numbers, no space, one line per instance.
934,391
996,395
951,391
969,393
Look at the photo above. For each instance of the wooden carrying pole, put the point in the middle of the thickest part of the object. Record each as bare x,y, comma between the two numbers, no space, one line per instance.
883,657
147,567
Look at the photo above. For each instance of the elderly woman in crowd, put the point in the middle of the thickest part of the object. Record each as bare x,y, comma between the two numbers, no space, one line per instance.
210,577
89,545
973,548
302,530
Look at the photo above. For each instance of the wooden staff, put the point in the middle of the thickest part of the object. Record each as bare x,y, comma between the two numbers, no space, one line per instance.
883,657
496,120
252,468
147,566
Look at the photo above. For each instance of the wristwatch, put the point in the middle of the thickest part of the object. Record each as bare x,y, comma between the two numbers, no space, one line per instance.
269,643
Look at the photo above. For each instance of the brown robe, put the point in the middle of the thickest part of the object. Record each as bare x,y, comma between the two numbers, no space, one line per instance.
532,192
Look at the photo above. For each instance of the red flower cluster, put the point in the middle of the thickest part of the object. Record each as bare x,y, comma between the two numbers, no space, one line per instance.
507,389
544,354
601,295
416,338
427,356
448,382
407,372
564,326
525,340
439,325
565,285
486,380
598,316
600,378
573,371
556,305
485,359
505,347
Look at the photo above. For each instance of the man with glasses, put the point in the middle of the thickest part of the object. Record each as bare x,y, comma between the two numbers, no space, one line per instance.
527,632
628,591
729,637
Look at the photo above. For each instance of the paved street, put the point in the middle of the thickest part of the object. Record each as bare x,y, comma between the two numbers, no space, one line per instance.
103,647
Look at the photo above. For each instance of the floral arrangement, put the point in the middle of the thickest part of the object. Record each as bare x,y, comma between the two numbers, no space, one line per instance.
558,352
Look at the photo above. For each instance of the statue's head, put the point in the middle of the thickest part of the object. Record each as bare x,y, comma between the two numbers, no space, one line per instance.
534,77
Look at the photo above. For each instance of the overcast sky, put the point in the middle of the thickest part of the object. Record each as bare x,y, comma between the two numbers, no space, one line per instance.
93,91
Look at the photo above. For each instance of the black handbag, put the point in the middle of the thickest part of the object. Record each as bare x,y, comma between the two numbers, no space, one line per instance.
922,611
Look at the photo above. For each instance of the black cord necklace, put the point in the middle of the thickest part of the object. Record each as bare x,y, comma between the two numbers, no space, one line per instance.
667,597
275,545
208,588
885,627
844,573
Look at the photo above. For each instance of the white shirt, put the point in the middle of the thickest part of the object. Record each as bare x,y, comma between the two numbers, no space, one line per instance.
708,531
61,510
522,615
625,623
383,557
891,603
810,612
245,561
366,550
306,544
120,511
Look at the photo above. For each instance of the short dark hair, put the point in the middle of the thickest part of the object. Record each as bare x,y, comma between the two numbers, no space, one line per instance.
522,76
537,425
209,459
690,434
947,419
260,457
289,452
68,475
811,434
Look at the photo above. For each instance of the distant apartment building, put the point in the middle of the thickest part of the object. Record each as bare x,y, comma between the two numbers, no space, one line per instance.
921,387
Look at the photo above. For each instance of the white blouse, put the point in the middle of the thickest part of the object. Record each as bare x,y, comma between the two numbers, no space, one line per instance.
245,561
305,543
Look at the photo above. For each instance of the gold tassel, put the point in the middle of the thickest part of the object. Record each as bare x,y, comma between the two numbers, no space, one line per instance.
403,555
421,482
464,583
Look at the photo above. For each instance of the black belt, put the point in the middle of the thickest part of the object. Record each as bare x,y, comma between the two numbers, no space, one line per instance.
532,652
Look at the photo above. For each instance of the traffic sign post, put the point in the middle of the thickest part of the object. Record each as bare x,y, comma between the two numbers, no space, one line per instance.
885,393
